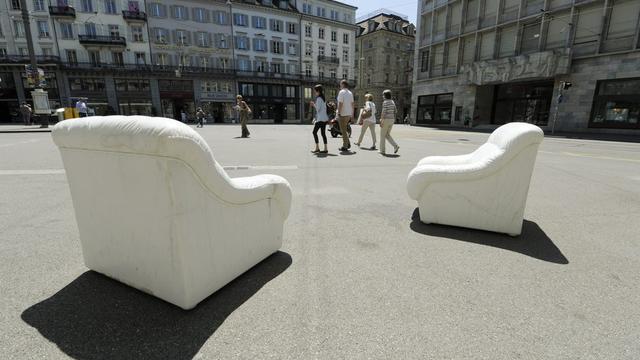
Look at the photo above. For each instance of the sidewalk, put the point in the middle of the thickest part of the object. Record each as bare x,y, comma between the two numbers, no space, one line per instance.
558,134
19,128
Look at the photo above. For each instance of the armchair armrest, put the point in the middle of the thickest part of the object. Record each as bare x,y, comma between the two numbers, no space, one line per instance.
260,187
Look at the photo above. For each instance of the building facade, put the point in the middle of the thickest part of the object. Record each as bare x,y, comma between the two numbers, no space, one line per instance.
328,47
163,58
191,51
489,62
385,49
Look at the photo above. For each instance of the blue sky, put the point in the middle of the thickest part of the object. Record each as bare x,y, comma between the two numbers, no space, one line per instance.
405,7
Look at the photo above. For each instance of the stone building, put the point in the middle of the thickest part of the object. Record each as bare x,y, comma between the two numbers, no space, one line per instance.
192,55
489,62
328,46
162,57
384,50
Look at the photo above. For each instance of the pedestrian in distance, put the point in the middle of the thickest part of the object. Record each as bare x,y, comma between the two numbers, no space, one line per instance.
320,122
26,112
183,116
367,119
81,108
345,113
387,118
200,116
245,112
406,119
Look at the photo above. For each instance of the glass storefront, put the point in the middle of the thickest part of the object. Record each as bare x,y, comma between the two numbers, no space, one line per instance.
616,104
435,109
176,96
524,102
9,106
134,97
271,102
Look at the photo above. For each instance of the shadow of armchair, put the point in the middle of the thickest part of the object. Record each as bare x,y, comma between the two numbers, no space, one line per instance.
95,317
533,241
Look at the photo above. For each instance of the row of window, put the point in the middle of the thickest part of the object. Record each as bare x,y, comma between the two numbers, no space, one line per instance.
263,66
619,30
69,30
97,58
442,58
259,22
308,32
322,12
264,45
179,12
308,51
185,37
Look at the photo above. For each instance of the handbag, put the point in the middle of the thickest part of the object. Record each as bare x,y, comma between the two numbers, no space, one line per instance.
365,114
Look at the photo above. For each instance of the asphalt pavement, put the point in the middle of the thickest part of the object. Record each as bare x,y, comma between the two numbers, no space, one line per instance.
358,277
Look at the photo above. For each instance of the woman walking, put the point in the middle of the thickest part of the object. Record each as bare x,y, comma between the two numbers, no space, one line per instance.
244,111
368,120
387,118
321,119
200,116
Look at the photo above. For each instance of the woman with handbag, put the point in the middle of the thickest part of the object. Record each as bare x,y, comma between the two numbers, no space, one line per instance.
245,112
368,120
321,119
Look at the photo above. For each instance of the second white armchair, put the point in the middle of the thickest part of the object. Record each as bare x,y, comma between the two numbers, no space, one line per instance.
486,189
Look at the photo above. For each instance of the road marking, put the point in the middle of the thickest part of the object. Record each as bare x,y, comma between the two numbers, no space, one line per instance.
262,167
61,171
592,156
33,172
20,143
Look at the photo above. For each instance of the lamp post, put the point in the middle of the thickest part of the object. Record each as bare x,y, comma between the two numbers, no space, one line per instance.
38,96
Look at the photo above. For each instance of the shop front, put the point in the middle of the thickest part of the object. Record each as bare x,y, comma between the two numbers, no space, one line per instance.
9,104
176,96
523,102
272,103
93,92
616,104
434,109
134,97
217,101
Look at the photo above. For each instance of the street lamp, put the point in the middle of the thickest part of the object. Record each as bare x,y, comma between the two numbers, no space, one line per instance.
39,96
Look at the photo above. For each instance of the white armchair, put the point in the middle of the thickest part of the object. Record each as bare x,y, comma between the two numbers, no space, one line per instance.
157,212
486,189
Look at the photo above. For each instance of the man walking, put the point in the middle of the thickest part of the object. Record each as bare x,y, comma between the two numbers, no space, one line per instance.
345,113
25,110
81,107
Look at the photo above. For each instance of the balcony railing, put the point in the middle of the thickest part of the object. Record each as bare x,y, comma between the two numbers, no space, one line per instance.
102,40
66,11
24,59
134,15
328,59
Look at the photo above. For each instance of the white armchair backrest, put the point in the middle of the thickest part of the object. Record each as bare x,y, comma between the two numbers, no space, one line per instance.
513,137
144,135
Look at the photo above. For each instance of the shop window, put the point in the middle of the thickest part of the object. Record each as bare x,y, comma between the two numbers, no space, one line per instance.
616,104
435,109
524,102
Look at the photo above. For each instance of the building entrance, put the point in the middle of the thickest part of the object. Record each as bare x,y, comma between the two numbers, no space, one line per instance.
526,102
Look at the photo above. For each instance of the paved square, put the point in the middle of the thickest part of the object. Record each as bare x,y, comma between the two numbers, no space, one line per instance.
356,277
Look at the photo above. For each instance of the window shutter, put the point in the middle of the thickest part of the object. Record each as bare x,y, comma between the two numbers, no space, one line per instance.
486,45
624,18
557,32
174,35
589,24
452,56
508,41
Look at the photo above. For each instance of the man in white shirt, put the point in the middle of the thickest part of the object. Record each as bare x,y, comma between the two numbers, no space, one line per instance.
345,113
81,107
